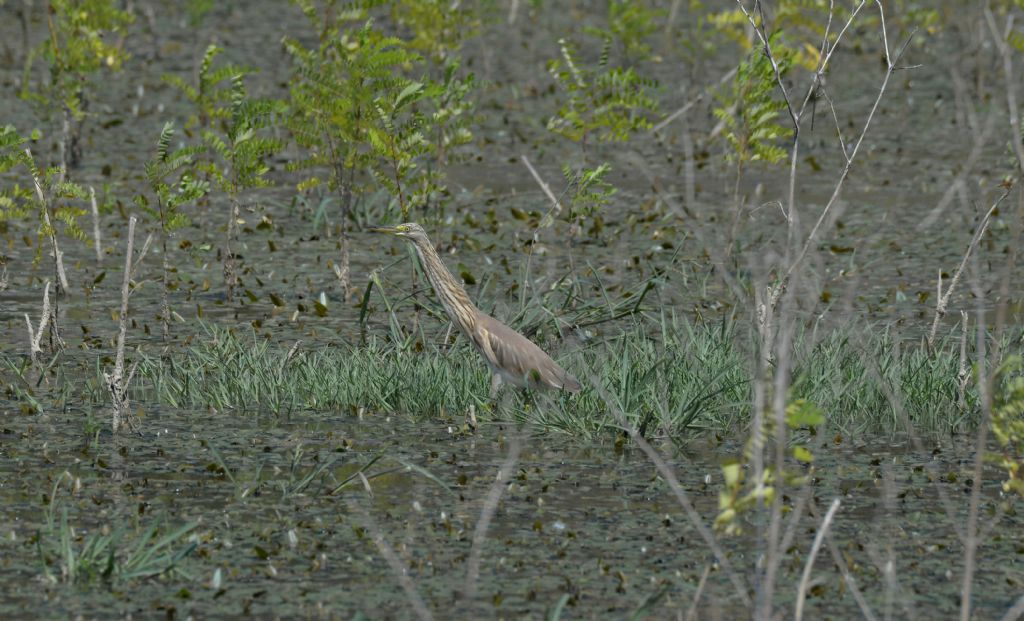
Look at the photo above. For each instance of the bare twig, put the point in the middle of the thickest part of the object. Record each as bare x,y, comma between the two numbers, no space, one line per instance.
837,557
1016,612
982,139
796,114
972,538
943,298
117,380
691,614
35,337
805,578
58,256
556,206
691,103
1011,94
487,514
97,243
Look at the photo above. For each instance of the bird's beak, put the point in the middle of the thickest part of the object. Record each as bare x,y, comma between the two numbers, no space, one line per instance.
383,229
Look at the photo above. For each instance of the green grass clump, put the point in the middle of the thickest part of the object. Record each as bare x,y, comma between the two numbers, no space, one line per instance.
678,379
109,554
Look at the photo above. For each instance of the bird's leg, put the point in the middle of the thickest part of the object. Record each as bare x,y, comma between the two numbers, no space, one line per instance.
495,384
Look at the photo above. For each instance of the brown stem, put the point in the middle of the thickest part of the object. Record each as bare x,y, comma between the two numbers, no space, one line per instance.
230,273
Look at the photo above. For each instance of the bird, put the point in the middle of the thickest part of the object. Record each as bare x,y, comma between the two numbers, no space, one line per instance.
511,357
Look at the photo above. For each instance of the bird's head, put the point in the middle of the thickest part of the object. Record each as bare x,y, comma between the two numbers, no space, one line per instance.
410,230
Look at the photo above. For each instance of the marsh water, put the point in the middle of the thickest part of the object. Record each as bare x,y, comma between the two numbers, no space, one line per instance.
589,529
591,522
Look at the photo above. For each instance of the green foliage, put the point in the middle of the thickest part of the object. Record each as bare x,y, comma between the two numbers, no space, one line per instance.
750,110
603,102
1008,422
171,182
78,45
739,496
46,201
197,10
239,145
608,103
353,108
805,20
14,199
211,95
106,555
630,24
590,192
438,27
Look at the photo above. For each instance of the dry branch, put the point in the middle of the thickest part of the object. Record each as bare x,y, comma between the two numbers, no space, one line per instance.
35,337
412,595
805,578
97,243
943,298
668,475
117,380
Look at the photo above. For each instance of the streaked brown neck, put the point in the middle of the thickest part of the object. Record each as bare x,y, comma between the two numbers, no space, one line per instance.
449,290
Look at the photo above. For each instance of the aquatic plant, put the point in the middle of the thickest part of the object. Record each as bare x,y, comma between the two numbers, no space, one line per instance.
354,108
79,45
110,554
50,201
606,103
173,184
693,379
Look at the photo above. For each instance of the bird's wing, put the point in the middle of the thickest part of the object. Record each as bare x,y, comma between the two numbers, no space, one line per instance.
521,358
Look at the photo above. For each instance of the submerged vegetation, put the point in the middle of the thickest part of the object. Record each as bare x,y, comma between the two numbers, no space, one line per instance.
789,303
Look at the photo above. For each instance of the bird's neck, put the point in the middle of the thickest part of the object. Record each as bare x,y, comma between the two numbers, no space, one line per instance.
447,288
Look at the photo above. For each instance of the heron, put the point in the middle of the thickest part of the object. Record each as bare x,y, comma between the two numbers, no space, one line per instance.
511,357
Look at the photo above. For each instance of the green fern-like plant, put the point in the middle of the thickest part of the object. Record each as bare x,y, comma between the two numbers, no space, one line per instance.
211,94
14,199
49,203
78,45
588,190
238,148
604,103
751,111
354,109
630,25
437,28
172,186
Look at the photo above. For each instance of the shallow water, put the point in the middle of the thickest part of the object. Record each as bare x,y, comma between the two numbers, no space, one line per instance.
587,521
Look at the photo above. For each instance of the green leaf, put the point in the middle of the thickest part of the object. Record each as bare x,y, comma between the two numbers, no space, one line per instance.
802,454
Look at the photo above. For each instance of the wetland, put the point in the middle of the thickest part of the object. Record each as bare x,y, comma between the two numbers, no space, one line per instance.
776,242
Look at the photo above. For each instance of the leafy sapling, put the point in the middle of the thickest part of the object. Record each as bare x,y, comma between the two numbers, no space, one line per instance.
45,203
602,103
750,111
210,96
78,45
172,186
241,150
233,128
354,110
